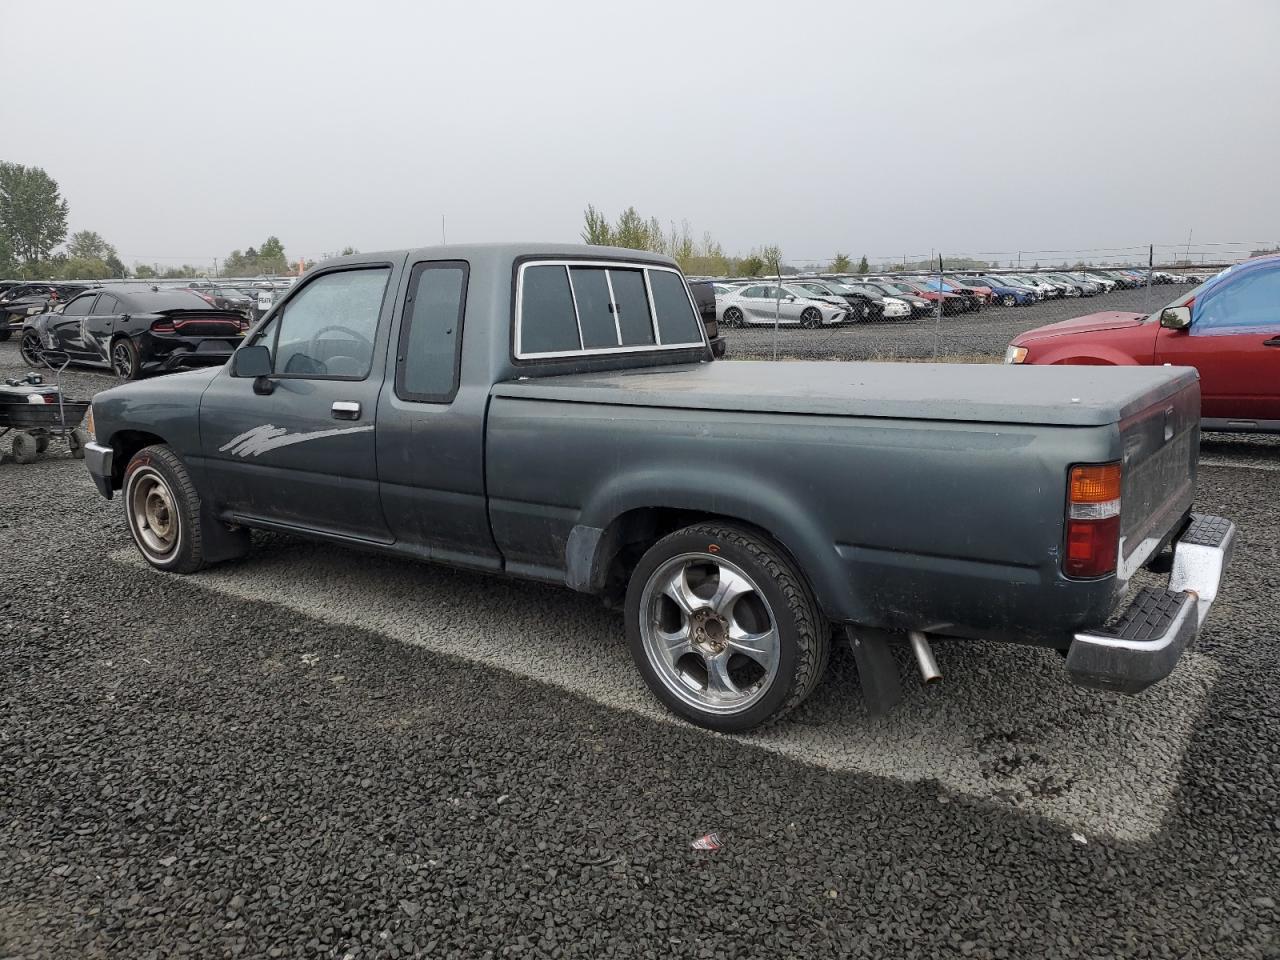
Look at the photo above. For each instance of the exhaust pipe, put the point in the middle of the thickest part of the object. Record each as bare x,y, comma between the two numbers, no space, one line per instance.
929,671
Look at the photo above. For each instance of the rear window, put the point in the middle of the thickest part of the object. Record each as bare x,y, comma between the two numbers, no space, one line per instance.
568,307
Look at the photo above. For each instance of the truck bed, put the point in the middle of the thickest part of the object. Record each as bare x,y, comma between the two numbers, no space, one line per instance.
990,393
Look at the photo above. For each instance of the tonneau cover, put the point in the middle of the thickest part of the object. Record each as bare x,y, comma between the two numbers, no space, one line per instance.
994,393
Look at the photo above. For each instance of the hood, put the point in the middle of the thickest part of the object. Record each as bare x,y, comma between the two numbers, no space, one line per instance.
1093,323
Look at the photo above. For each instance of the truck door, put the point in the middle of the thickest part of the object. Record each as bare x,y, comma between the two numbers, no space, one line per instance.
297,449
1234,341
431,422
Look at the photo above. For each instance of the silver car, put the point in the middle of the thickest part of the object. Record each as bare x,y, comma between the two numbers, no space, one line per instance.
759,303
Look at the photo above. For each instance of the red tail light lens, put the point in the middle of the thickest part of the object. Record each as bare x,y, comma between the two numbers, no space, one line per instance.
50,398
1093,521
163,326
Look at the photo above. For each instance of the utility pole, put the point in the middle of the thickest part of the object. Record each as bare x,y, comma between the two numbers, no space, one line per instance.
444,237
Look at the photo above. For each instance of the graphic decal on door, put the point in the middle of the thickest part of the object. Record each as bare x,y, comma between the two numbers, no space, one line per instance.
270,437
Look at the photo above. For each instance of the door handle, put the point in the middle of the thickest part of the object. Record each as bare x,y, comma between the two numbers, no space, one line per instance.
345,410
1273,342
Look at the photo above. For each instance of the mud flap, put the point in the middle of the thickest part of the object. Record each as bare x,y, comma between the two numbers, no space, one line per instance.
877,670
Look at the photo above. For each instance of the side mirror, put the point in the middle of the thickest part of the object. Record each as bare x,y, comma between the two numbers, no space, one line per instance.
790,298
251,361
1175,318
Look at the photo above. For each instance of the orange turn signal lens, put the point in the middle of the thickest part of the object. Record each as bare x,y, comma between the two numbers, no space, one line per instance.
1098,483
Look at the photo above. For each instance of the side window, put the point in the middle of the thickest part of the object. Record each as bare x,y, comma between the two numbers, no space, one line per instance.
328,328
595,308
107,306
631,301
677,323
431,333
1239,306
79,307
547,321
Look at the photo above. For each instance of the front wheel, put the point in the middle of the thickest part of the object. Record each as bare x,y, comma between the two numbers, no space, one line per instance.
32,352
723,628
163,510
811,318
1009,300
5,331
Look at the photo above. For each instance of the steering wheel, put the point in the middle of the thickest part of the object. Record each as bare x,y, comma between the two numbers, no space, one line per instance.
355,335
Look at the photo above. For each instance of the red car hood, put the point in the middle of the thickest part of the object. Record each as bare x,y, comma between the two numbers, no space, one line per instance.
1093,323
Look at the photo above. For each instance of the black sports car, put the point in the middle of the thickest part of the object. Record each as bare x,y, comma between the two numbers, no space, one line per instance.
22,300
136,330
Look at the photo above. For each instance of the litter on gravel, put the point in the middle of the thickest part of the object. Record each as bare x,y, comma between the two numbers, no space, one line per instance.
708,841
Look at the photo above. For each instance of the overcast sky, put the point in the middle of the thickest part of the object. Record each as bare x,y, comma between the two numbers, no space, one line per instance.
180,131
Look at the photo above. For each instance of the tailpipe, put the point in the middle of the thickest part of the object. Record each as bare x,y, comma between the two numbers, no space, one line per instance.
929,671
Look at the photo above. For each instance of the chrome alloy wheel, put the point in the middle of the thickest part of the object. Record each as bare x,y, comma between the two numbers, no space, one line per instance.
154,518
709,633
121,360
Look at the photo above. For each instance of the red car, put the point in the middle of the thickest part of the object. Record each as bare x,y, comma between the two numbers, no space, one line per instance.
1228,328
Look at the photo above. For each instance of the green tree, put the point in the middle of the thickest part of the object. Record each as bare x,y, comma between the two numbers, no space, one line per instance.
631,231
271,258
144,272
89,245
841,263
771,257
596,229
863,266
33,215
750,266
348,252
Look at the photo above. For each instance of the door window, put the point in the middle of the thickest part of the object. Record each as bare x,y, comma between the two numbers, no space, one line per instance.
79,307
1240,306
427,359
108,306
327,330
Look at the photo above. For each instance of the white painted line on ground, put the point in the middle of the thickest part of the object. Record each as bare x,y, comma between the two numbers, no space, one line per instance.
1005,726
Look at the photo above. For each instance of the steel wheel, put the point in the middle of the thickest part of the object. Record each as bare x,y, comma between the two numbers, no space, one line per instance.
32,353
709,633
154,518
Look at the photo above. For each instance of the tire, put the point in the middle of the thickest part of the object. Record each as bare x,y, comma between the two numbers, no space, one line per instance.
32,352
863,312
811,317
732,317
705,676
76,440
42,442
124,359
1009,300
5,331
162,508
25,448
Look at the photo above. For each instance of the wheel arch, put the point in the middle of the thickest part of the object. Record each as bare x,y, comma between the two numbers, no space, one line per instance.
614,532
124,444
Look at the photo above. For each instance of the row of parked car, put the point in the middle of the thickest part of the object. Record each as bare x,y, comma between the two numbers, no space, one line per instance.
817,300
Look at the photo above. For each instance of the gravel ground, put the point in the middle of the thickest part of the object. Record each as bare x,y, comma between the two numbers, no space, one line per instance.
968,335
315,754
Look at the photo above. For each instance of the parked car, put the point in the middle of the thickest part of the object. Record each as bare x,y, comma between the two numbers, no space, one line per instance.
29,299
1074,288
135,330
227,298
972,298
767,303
580,435
951,303
1228,328
1009,294
863,304
893,306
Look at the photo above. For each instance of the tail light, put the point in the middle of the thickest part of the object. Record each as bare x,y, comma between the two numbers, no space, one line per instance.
50,398
163,326
1093,520
244,323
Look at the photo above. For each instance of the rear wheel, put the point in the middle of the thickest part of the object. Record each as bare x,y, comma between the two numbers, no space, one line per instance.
732,317
723,628
811,317
25,448
124,359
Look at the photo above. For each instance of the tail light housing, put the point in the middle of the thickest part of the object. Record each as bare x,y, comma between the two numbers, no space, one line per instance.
1093,521
163,326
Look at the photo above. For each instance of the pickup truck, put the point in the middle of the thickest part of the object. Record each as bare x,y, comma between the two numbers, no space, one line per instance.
554,412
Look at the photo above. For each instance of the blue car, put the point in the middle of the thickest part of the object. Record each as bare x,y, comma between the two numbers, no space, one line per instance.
1008,295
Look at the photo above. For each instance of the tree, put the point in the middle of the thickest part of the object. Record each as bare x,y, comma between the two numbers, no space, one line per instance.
771,257
841,263
33,215
596,229
863,266
89,245
144,272
750,266
631,231
271,258
348,252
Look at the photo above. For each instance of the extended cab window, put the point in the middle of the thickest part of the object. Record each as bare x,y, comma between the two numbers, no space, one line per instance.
567,308
328,328
431,333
